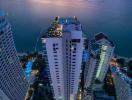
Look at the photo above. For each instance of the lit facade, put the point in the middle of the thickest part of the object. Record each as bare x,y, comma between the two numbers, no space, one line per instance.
63,49
100,53
106,53
12,78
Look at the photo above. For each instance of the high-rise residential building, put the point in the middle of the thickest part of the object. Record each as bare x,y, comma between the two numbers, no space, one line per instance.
63,49
122,83
100,53
106,47
3,96
12,79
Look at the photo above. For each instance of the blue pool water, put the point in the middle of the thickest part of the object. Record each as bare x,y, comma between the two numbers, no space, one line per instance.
85,55
29,68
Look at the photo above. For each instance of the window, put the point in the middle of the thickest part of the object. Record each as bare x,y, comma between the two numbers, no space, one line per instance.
74,48
1,32
57,75
54,49
55,52
56,68
55,59
76,40
74,51
57,48
73,70
57,71
54,45
58,81
55,55
72,78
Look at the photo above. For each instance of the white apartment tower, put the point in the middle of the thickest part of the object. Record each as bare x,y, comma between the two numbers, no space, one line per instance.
106,47
63,48
100,51
12,82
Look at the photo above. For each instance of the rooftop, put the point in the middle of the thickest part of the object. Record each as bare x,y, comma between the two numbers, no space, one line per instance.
101,36
60,25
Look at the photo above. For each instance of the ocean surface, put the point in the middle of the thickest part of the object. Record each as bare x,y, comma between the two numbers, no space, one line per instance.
29,17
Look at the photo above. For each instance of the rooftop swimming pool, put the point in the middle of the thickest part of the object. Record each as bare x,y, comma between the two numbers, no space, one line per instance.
85,55
29,68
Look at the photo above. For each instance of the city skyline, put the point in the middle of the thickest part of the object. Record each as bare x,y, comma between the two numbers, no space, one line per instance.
31,17
84,53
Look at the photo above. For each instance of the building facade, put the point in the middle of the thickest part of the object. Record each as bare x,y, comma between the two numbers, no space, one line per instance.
63,50
100,53
3,96
12,78
123,85
106,47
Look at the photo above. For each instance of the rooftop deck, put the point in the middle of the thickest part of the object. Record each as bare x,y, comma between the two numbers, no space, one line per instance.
29,68
60,25
68,20
101,36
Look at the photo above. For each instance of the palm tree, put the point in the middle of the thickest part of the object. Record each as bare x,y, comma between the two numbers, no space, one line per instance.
130,65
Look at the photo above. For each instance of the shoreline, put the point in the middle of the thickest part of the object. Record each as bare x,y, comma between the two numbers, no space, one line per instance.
41,52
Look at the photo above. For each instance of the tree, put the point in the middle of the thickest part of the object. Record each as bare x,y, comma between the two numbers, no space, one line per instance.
97,81
130,65
121,61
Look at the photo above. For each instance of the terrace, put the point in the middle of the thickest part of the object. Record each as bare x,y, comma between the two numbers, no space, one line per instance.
101,36
28,69
60,25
